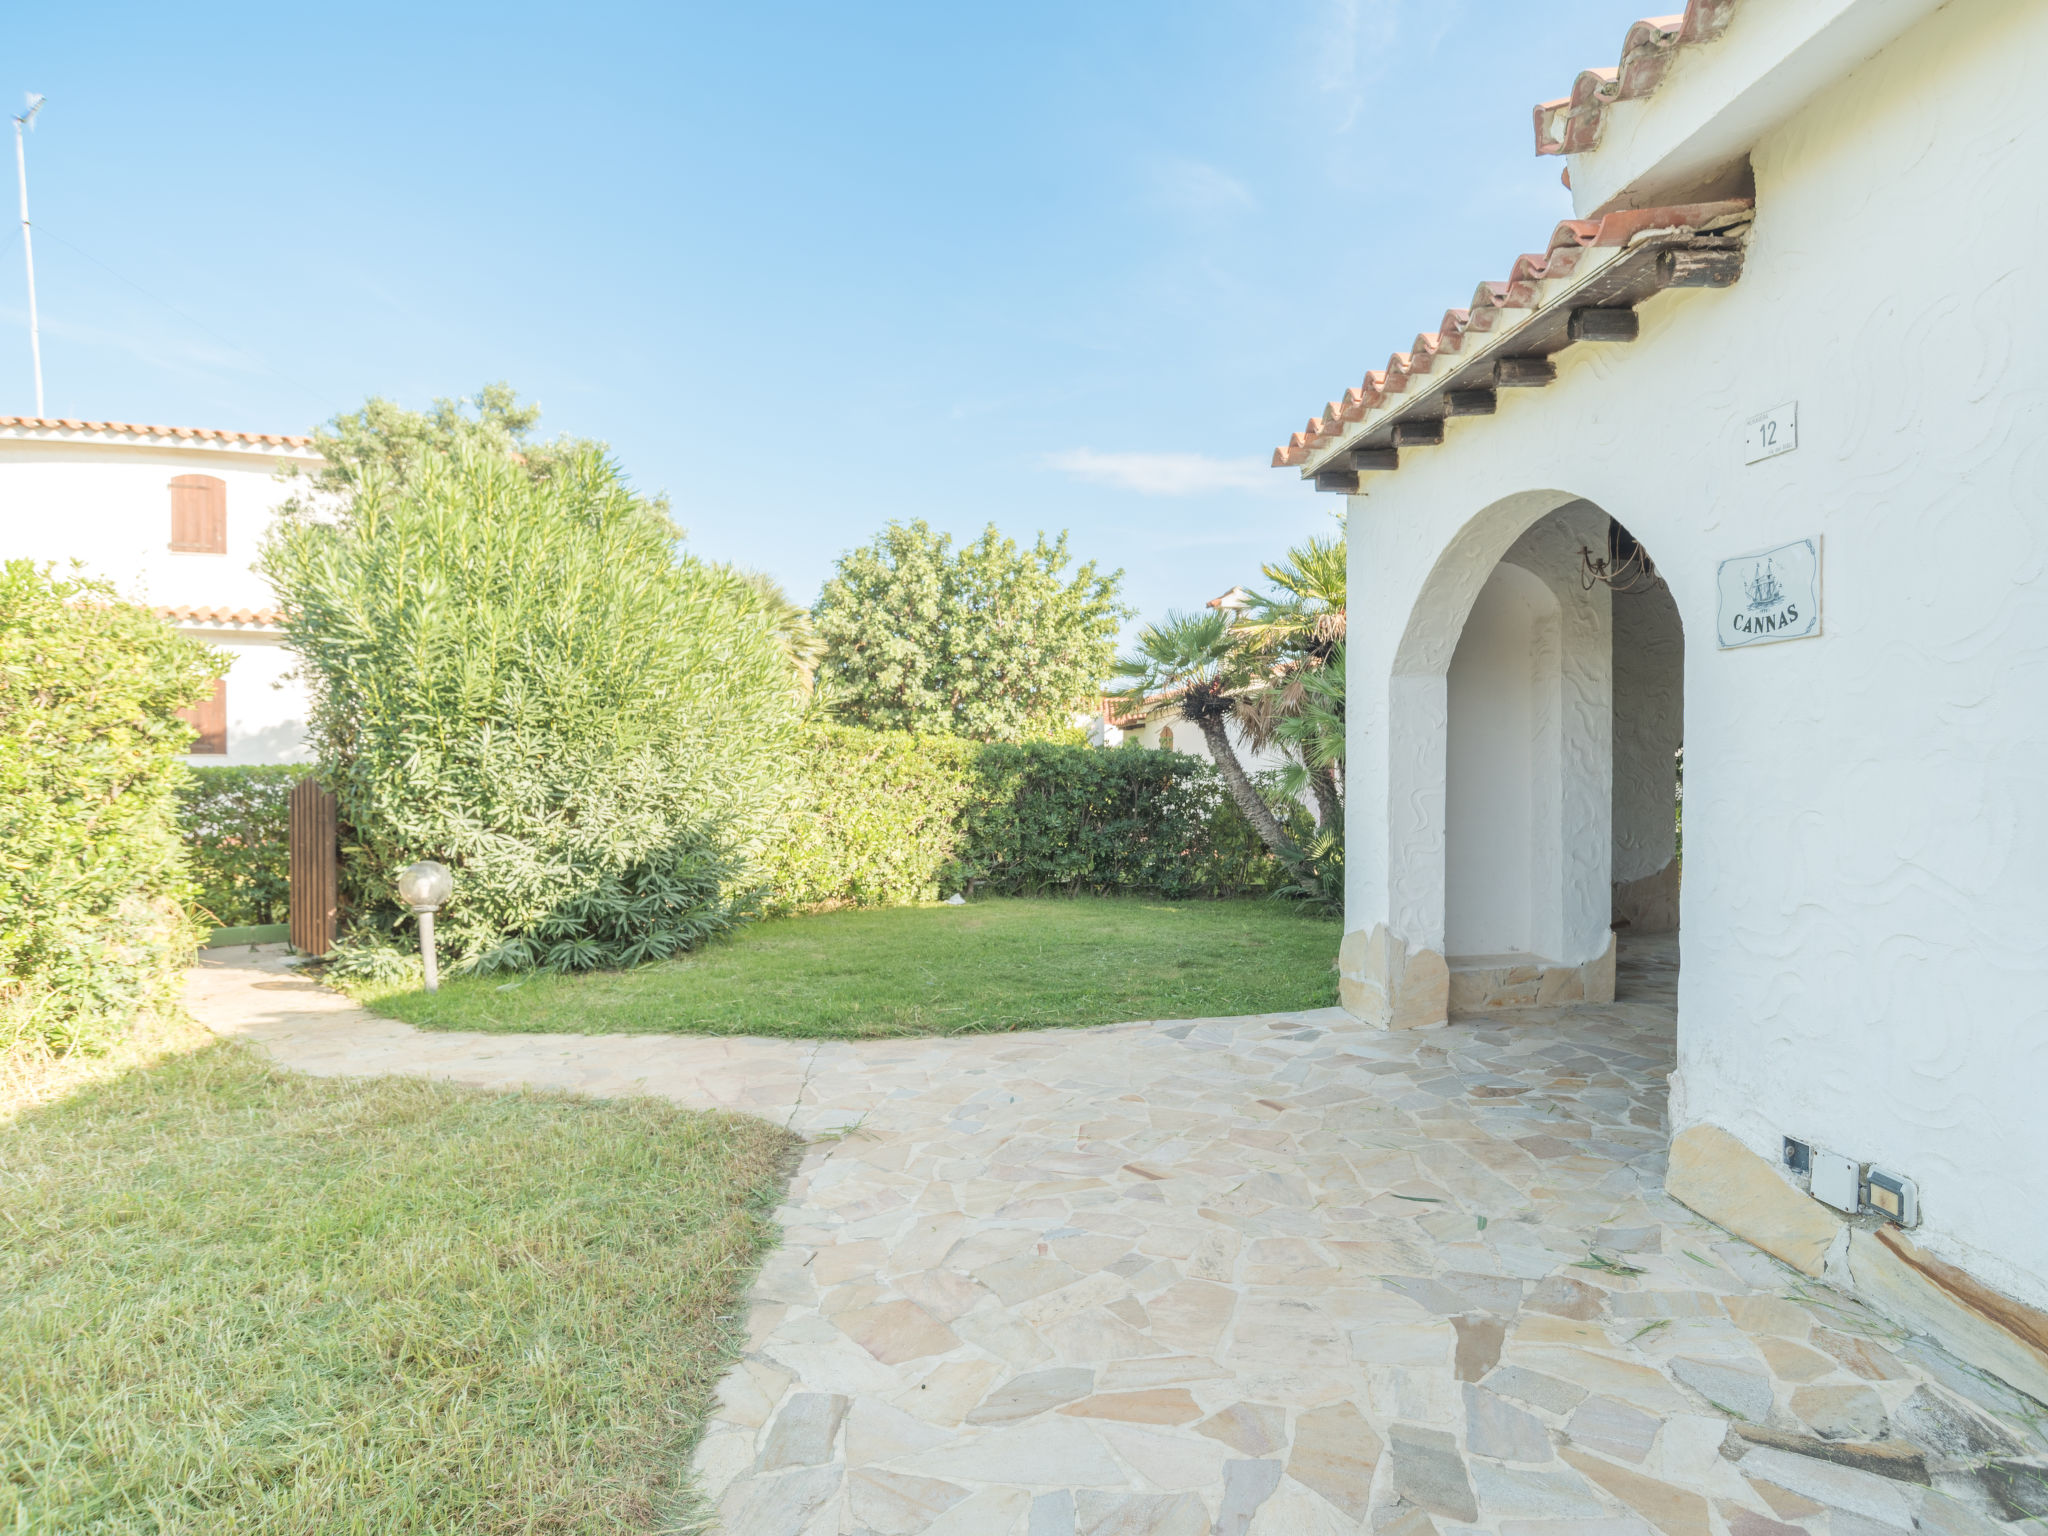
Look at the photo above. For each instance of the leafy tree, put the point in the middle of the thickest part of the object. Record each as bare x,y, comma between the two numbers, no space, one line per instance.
992,642
385,438
93,874
517,673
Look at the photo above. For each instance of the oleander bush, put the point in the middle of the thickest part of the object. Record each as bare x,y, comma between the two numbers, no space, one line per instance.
93,872
237,824
521,674
885,817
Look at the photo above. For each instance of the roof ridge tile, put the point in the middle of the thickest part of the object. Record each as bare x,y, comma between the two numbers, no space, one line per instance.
136,429
1571,124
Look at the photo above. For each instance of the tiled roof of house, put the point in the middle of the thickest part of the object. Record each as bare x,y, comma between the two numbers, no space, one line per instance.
1571,124
137,429
225,618
1461,329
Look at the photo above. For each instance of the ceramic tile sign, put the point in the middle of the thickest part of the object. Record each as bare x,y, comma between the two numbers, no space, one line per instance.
1773,594
1770,433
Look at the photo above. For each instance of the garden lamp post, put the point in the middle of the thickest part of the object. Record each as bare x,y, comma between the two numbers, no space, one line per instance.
424,887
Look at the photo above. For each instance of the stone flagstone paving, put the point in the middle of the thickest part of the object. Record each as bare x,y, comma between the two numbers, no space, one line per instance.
1281,1275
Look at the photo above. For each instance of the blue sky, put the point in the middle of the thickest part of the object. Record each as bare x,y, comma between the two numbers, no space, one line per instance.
806,267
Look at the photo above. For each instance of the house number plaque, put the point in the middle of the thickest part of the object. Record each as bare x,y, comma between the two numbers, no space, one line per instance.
1770,433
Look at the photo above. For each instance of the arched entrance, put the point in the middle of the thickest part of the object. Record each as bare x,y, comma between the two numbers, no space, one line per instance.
1532,719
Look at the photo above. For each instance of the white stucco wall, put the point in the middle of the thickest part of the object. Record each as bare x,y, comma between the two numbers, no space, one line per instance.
1506,656
1649,728
106,504
266,703
1865,907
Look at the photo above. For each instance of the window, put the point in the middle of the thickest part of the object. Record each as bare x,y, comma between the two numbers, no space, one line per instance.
1166,738
209,717
199,515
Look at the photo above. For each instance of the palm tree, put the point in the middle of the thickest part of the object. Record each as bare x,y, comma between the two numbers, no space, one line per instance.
792,628
1307,618
1298,697
1189,666
1314,729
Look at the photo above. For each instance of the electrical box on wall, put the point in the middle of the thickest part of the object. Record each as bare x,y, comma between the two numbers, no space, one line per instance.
1837,1181
1893,1197
1848,1186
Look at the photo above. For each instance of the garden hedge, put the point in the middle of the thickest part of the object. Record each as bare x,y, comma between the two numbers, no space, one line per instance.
875,820
884,817
237,823
1043,817
93,877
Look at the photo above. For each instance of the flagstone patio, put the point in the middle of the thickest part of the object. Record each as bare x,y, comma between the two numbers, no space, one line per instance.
1280,1274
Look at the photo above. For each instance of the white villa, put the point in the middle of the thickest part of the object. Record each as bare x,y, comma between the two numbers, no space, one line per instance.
173,516
1749,457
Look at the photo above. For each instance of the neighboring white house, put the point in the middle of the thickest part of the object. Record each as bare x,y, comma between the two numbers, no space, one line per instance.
1792,344
1108,726
173,516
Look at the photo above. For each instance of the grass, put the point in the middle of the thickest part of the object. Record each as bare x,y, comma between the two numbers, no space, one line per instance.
32,1074
930,970
237,1299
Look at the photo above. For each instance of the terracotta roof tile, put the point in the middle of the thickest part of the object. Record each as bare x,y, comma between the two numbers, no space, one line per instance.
256,618
1559,258
136,429
1571,124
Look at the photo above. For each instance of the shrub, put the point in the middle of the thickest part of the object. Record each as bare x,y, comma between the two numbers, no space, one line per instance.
1045,817
92,871
885,817
237,824
520,676
876,818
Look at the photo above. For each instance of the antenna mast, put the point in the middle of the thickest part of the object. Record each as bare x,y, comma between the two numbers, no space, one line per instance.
26,118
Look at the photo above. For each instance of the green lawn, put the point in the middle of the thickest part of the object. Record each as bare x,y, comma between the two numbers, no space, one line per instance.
233,1299
930,970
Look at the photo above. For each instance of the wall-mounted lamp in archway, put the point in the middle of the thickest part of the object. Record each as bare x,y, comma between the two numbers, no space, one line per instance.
1626,567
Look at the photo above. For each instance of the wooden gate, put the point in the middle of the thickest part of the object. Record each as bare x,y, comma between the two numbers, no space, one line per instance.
314,895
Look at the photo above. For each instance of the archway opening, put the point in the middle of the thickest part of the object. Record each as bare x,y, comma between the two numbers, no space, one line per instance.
1649,747
1563,718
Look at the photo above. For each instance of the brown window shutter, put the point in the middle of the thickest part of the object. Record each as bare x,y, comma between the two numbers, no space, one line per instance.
199,515
209,717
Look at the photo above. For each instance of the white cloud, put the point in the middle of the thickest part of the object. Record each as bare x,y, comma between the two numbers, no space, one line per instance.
1166,474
